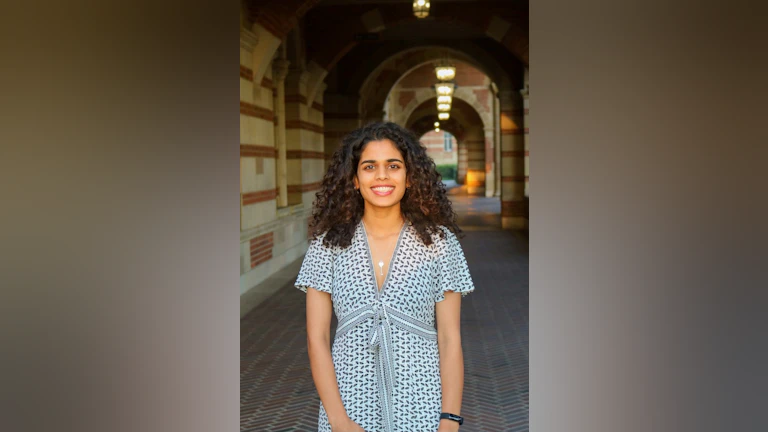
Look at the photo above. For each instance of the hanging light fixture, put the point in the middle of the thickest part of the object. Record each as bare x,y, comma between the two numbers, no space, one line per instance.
445,71
421,8
437,129
444,99
445,89
437,124
443,115
443,107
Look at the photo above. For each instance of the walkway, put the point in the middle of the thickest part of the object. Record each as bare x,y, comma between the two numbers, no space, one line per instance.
276,389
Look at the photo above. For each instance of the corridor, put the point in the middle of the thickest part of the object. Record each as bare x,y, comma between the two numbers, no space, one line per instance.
277,393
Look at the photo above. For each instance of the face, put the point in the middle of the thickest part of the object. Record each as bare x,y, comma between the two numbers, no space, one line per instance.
381,175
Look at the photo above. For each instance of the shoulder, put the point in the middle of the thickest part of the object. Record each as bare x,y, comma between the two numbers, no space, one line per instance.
317,243
443,238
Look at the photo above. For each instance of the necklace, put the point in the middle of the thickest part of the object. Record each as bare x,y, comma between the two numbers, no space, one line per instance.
381,263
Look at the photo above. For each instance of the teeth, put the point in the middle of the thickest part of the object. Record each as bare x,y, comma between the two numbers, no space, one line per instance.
382,189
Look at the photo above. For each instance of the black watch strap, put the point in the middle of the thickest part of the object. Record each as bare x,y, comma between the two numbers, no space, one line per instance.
453,417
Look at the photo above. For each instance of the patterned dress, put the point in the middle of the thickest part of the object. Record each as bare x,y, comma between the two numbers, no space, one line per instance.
385,349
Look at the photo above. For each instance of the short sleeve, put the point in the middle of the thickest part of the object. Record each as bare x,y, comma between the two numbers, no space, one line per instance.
317,268
452,269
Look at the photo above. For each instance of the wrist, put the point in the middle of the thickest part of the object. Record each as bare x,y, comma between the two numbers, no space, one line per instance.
338,419
448,426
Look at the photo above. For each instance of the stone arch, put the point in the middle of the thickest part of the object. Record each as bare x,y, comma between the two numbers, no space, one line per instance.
266,24
377,84
472,143
463,94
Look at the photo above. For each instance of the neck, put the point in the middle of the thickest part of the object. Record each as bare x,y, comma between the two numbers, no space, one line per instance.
382,221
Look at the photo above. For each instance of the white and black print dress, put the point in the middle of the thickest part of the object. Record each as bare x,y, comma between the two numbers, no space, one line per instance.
385,350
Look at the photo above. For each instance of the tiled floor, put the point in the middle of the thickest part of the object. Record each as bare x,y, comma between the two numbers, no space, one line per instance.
276,388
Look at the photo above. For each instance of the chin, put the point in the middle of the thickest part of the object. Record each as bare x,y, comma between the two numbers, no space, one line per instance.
389,201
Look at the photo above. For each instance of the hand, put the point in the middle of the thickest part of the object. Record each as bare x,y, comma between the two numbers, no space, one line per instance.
346,425
448,426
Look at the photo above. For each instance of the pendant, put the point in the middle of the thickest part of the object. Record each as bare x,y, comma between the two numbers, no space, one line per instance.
381,268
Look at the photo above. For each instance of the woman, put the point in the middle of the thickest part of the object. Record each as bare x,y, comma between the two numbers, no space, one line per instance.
385,258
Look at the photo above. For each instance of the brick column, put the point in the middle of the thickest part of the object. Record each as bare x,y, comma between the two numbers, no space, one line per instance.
475,144
497,138
526,139
463,162
490,163
304,135
341,116
279,72
513,204
258,190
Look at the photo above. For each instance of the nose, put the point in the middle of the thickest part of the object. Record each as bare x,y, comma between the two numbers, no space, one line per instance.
381,173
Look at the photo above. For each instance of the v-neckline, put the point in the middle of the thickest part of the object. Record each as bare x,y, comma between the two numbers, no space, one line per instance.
380,291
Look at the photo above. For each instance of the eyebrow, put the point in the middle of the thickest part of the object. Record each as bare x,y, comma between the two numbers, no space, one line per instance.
373,161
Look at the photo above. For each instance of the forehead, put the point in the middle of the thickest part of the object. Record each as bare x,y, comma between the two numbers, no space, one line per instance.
382,149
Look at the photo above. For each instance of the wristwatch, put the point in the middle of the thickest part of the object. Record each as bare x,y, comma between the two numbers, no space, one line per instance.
453,417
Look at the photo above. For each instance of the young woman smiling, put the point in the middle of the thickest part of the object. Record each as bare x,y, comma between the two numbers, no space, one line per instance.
386,260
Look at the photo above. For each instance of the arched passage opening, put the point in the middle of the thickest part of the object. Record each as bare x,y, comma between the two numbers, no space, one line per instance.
442,147
466,125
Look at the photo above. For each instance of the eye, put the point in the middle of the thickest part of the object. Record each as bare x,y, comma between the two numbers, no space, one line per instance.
368,166
394,166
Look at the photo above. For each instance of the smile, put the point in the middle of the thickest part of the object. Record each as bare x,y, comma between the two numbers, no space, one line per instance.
383,190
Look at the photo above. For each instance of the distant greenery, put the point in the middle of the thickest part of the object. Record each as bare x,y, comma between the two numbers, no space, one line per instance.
448,172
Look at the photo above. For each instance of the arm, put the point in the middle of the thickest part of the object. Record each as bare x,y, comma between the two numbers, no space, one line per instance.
319,310
451,358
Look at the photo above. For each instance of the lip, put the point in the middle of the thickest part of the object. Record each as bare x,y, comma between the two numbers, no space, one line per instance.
381,193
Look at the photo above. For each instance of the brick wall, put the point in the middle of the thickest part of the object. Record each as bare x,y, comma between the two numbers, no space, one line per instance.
435,144
261,249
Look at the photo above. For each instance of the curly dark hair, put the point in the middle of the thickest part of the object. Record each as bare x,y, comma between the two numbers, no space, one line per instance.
338,208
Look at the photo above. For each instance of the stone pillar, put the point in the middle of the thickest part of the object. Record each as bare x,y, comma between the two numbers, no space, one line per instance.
317,111
341,116
463,162
497,138
279,72
304,135
526,136
474,140
513,204
258,189
295,117
490,163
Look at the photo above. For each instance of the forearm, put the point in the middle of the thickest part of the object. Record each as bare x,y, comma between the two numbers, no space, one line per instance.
451,375
324,376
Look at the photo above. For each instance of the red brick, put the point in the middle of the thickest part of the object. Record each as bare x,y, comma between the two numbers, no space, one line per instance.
246,73
259,196
301,124
252,150
304,154
255,111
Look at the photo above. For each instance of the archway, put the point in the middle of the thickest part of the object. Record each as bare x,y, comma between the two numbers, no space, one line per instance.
442,148
464,124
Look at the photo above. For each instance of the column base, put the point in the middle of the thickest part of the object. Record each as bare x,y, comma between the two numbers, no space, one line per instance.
476,190
514,223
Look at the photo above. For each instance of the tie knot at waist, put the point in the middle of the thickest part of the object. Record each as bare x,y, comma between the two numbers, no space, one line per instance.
380,343
384,315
